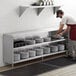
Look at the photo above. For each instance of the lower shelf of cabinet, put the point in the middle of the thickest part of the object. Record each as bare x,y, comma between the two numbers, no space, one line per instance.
39,56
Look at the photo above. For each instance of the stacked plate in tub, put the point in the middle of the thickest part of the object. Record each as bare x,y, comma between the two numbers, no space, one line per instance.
46,50
54,48
46,39
29,41
58,47
39,51
16,56
24,55
61,47
38,39
32,53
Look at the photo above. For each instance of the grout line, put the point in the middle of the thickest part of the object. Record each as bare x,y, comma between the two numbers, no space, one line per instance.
51,65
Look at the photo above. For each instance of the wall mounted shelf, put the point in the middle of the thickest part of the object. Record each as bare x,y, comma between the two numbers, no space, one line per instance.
38,8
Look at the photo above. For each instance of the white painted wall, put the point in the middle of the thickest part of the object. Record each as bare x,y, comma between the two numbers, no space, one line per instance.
10,22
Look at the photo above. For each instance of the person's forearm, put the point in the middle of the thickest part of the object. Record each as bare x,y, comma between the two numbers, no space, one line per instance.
66,30
60,28
59,31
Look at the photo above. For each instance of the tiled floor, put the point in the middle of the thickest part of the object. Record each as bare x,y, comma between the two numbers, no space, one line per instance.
57,67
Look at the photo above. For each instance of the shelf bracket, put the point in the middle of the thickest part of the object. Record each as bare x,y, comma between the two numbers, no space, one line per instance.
21,10
39,10
55,9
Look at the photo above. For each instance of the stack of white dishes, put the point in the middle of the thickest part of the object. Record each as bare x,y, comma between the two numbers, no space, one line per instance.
39,40
46,39
39,51
46,50
54,48
30,42
16,56
32,53
61,47
24,55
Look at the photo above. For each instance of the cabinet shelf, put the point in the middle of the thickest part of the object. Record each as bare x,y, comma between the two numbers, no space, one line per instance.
38,8
54,53
38,44
9,51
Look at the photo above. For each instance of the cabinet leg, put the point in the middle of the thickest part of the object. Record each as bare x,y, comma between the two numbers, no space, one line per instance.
12,66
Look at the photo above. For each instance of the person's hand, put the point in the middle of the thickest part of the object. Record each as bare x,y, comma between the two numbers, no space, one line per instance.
56,36
60,34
